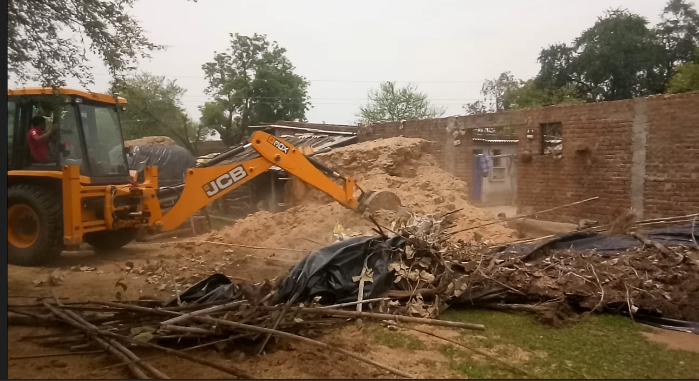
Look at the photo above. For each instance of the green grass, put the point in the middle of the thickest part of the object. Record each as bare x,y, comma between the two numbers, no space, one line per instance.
600,346
394,339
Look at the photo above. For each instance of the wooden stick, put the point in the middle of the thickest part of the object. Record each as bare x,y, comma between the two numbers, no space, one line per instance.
194,330
109,347
262,330
184,350
480,352
55,355
647,241
174,286
360,295
286,335
253,247
524,216
231,371
80,321
274,327
205,311
375,316
349,304
452,212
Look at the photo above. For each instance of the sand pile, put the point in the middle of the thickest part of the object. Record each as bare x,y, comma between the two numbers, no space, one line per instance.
400,165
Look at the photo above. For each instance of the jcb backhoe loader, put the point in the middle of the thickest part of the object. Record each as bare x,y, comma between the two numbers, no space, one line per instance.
83,191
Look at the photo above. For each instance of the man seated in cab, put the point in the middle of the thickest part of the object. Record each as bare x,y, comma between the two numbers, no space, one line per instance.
38,138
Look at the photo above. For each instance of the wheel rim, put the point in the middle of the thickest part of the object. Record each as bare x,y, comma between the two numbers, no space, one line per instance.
22,226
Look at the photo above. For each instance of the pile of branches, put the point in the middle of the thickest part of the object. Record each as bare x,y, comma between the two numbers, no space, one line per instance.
249,321
558,285
424,275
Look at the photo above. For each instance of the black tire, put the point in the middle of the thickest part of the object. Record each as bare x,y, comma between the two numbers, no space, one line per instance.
107,240
47,205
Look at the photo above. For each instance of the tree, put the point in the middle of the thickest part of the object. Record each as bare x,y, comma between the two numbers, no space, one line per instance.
47,39
255,81
678,33
508,93
390,103
155,108
686,78
617,58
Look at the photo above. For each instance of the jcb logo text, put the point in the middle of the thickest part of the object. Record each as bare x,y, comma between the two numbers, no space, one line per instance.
225,181
281,146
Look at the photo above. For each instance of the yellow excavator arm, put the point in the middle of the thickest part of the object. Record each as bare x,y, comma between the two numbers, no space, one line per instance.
204,185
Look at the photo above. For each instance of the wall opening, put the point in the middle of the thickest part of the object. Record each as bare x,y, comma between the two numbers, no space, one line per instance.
551,138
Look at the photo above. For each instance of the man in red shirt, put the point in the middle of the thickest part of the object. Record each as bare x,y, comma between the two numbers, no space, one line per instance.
37,138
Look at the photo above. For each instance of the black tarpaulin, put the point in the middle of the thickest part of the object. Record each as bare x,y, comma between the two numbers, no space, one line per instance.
604,243
172,162
328,272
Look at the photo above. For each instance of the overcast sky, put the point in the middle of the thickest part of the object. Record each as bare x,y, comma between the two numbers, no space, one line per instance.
445,47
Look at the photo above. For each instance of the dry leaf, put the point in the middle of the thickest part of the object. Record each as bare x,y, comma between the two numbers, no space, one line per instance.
144,337
56,278
139,330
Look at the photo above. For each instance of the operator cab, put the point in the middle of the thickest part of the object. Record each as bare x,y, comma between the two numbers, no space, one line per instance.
87,132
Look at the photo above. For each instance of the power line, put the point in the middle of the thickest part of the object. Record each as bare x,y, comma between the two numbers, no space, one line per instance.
324,80
334,99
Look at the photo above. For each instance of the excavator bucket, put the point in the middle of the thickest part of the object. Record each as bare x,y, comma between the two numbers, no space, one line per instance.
380,200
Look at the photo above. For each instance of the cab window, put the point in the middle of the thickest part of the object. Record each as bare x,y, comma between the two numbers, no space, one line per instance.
11,127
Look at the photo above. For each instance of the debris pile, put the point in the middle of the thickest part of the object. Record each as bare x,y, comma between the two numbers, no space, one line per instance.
400,165
635,274
213,313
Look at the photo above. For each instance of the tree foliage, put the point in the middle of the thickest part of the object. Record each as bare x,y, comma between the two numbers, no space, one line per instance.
252,82
686,78
508,93
619,57
48,40
678,33
390,103
155,108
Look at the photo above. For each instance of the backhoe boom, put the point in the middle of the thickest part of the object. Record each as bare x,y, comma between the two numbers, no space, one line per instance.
203,185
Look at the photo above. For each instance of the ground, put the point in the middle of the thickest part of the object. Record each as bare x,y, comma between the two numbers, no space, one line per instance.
595,347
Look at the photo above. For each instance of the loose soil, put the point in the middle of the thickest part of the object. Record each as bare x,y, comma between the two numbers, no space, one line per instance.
400,165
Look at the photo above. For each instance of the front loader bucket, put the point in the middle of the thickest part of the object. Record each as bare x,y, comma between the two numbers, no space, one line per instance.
381,200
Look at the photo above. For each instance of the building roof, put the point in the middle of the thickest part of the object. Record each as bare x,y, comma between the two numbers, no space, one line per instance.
305,129
317,142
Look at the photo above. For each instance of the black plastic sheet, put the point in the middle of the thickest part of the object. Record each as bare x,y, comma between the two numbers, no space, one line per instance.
328,272
214,288
603,243
172,162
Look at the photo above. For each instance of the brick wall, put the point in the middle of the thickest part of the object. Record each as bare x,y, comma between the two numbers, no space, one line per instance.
672,156
641,153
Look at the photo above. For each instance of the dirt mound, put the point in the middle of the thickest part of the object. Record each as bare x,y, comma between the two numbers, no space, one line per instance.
400,165
151,141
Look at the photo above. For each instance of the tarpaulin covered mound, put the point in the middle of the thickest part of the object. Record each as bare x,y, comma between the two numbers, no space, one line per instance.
399,165
150,141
